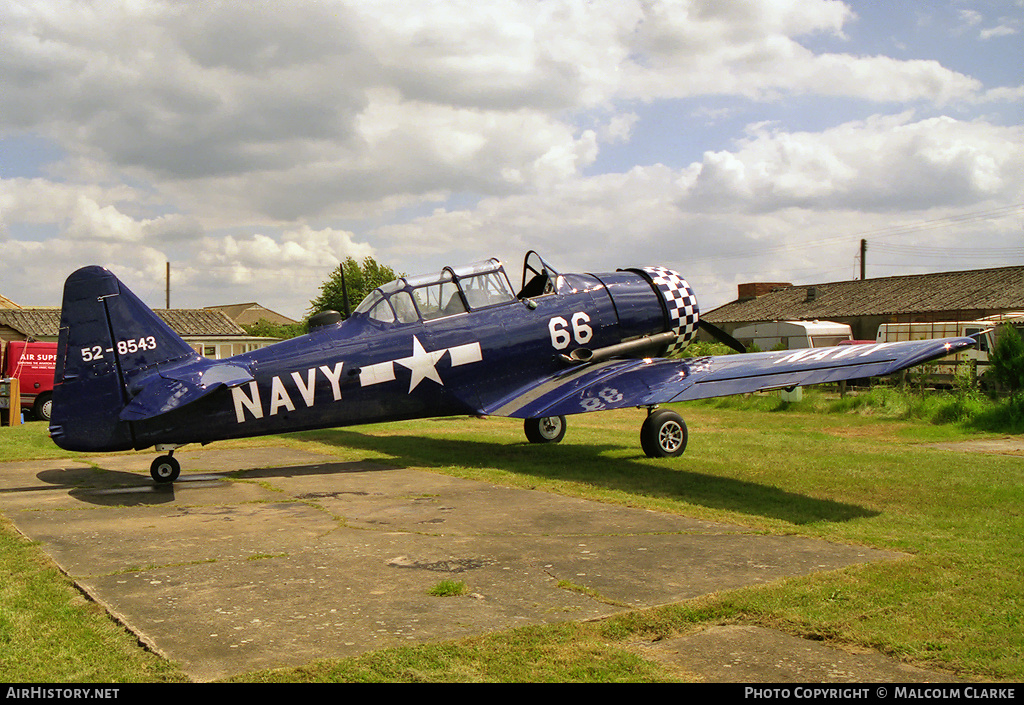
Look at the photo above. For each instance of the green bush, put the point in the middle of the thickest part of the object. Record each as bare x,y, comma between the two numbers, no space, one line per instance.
702,348
1008,359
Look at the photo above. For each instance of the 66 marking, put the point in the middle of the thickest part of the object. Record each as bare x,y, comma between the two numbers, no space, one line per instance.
126,347
561,335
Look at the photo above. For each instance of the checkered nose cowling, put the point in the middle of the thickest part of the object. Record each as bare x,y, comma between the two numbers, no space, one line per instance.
680,304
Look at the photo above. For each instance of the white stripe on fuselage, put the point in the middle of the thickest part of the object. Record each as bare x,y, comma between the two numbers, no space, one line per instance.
422,363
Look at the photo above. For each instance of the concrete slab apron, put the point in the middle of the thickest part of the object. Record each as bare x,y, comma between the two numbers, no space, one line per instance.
276,557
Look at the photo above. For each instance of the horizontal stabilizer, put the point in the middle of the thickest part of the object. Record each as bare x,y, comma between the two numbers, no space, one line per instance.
172,389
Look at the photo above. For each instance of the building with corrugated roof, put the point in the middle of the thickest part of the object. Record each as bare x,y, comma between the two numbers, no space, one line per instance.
250,313
865,304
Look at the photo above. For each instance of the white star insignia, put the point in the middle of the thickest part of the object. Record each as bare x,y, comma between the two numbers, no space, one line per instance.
422,364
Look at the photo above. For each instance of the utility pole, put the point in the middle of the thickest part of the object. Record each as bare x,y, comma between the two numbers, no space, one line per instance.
863,263
168,285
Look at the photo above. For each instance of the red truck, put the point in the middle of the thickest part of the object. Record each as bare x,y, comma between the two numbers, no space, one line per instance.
32,363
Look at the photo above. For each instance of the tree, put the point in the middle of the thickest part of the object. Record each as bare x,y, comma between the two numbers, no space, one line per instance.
360,280
1007,358
265,329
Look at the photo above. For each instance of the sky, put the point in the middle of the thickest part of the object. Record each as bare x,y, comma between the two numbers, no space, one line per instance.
254,146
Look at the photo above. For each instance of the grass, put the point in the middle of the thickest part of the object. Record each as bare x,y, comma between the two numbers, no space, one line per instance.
563,653
968,409
448,588
50,633
857,474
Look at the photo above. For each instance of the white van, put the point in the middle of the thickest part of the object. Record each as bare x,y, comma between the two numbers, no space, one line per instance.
794,335
984,329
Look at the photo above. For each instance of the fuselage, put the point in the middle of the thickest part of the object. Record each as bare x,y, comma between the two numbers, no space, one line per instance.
367,370
454,343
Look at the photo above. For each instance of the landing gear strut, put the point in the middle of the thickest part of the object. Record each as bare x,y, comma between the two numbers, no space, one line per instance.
663,434
165,469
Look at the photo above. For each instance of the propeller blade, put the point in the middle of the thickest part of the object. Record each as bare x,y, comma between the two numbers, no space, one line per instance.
721,336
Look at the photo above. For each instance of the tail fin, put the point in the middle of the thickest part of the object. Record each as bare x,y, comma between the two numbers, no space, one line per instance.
108,337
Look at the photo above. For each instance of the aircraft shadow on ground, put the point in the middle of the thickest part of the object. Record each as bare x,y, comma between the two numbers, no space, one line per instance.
104,487
591,465
98,486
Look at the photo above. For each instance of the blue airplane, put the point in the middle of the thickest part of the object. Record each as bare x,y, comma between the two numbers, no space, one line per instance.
459,342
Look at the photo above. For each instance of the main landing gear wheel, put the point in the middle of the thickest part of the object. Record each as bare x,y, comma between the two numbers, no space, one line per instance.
549,429
165,469
663,434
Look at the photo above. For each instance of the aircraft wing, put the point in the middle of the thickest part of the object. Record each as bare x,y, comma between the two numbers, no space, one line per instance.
172,389
615,384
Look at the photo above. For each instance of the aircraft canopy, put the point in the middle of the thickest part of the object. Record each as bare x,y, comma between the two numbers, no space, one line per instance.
452,291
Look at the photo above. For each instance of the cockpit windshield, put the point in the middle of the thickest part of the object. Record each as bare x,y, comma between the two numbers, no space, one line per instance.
539,277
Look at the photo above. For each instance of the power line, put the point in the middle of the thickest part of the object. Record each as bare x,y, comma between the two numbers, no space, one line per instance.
958,252
1003,211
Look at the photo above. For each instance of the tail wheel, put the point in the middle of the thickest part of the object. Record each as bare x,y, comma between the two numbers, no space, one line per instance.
549,429
663,435
165,469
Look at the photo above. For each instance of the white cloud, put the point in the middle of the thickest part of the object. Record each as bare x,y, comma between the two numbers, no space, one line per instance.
34,271
619,128
231,269
882,163
970,17
293,249
752,49
40,200
998,31
89,221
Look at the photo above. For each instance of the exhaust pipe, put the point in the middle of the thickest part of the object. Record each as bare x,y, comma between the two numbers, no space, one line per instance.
629,348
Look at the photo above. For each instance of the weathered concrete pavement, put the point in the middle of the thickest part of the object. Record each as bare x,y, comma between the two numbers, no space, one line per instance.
275,557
